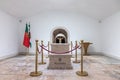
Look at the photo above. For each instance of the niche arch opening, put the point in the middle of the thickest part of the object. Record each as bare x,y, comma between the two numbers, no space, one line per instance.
60,35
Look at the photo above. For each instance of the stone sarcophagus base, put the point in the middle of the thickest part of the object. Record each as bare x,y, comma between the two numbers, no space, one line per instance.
60,47
60,61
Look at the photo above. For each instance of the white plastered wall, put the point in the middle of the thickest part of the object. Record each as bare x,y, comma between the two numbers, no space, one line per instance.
80,27
8,35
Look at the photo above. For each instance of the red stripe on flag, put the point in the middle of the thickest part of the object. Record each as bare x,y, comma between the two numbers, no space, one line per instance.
26,41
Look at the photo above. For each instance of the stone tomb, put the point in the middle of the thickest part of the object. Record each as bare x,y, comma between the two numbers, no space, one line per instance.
60,61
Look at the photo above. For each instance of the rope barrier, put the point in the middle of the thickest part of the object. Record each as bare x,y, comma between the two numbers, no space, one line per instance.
45,46
74,46
59,52
38,50
42,55
79,47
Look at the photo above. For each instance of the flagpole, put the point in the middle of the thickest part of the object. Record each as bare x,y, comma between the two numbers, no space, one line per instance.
28,51
27,42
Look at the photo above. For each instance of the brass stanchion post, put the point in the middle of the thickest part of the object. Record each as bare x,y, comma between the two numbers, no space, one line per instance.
36,72
76,61
42,56
71,48
48,48
82,73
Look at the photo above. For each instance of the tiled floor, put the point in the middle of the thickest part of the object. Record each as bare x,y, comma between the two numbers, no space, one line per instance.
98,68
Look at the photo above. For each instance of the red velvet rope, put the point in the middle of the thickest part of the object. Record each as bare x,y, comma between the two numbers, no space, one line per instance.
79,48
59,52
45,46
38,50
73,47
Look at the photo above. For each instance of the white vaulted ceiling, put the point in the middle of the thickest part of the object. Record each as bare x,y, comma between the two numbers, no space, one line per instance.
98,9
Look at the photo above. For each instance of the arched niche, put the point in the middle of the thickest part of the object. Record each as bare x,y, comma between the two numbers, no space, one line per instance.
60,38
60,32
56,46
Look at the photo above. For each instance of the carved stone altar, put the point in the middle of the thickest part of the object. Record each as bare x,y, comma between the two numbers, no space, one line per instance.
60,61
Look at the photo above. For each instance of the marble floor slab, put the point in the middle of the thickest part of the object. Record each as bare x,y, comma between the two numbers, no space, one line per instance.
98,68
